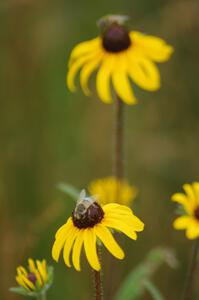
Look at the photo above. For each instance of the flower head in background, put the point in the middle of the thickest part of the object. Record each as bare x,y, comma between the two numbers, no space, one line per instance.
118,55
112,189
35,279
189,201
89,223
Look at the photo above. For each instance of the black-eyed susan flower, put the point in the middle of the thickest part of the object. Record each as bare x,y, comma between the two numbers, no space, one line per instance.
35,279
111,189
91,223
189,201
118,55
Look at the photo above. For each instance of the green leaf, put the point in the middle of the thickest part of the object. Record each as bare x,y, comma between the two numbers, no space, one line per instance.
153,290
133,286
68,189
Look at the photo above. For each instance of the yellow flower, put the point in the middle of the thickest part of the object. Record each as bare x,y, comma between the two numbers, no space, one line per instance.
111,189
89,223
190,203
118,55
34,277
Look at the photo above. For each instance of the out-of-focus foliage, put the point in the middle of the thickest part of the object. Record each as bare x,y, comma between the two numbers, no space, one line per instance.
138,280
49,135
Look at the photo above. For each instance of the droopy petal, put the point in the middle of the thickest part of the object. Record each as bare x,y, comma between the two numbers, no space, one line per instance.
59,242
90,248
152,47
85,48
77,250
86,72
143,72
68,245
74,68
103,79
64,227
108,240
182,222
121,82
131,220
121,227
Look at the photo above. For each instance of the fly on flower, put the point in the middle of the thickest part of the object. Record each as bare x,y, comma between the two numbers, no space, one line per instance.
189,220
118,55
34,280
90,222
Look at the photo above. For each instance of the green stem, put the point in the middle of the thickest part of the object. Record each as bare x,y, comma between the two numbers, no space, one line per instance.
188,288
41,296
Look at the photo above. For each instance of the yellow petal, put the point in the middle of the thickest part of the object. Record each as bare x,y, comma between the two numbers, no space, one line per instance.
85,47
22,283
143,72
41,270
114,207
190,194
69,244
182,222
76,254
121,227
120,80
74,68
60,241
108,240
39,278
196,190
22,270
28,283
152,47
90,248
103,79
64,228
31,264
86,72
131,220
193,230
183,200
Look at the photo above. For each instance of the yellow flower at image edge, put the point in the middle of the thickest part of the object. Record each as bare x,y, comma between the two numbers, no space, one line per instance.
34,279
190,203
111,189
118,55
89,223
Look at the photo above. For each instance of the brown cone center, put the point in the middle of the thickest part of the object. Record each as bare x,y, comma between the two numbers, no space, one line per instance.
31,276
196,213
116,38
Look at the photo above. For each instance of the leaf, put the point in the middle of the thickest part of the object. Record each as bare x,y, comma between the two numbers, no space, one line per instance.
69,190
153,290
133,286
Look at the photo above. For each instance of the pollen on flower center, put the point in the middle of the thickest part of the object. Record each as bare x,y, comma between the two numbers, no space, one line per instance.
89,217
116,38
196,213
31,276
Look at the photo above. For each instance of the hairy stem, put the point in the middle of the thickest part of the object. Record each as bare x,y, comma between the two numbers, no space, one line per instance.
98,280
188,288
42,296
119,145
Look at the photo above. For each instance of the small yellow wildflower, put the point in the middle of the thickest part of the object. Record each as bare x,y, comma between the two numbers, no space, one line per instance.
190,203
35,277
110,190
118,55
90,222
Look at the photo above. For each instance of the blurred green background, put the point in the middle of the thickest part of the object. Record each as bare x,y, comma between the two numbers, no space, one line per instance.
49,135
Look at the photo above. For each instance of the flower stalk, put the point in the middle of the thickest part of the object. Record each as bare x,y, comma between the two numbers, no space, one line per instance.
98,279
118,167
188,288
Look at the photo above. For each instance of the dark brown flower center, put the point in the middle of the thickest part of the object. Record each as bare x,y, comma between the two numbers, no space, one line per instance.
116,38
31,276
196,213
87,217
